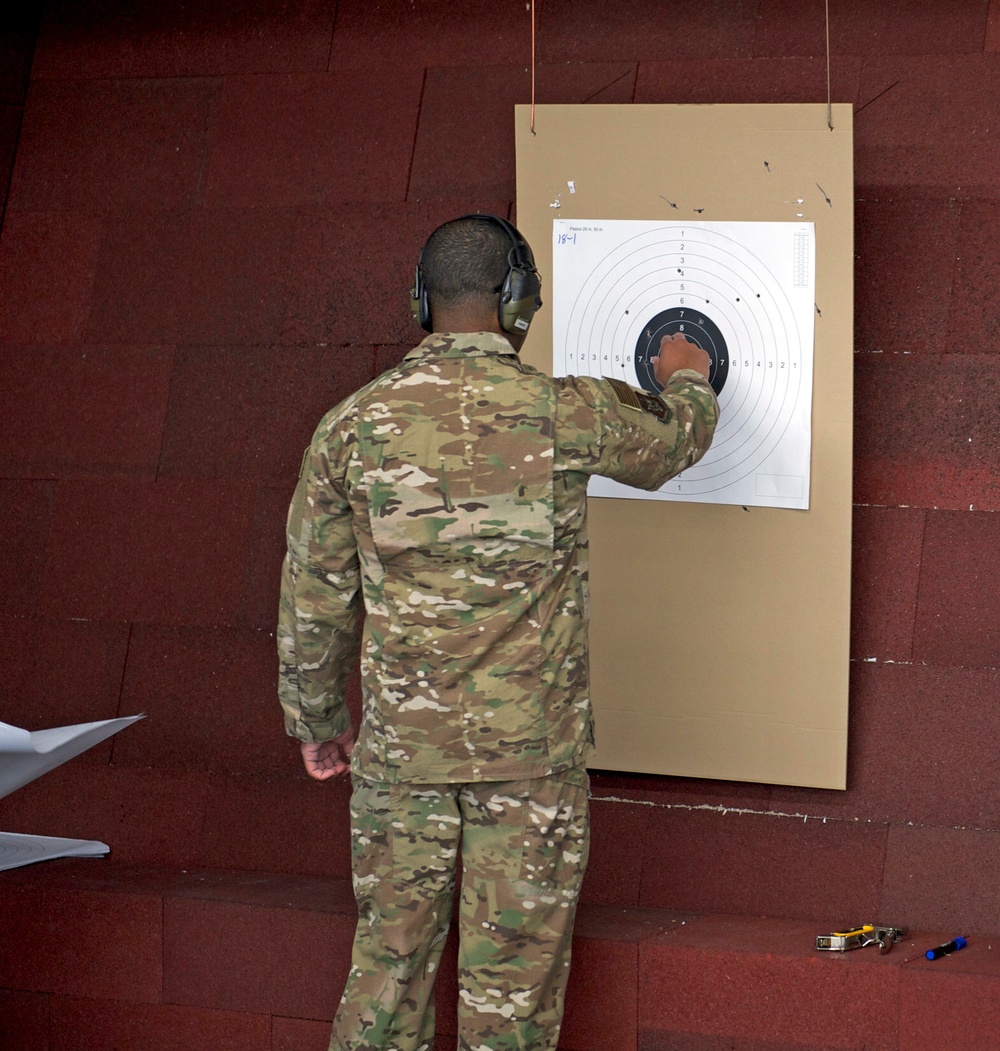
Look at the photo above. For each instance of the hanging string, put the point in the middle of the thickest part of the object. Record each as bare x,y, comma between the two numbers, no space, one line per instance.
532,67
829,104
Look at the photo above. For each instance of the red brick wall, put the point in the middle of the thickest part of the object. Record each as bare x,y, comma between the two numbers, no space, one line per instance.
211,224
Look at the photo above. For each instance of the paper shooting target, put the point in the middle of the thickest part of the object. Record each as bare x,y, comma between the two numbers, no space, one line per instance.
744,293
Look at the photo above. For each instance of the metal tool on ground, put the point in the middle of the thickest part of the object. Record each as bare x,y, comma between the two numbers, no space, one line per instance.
859,937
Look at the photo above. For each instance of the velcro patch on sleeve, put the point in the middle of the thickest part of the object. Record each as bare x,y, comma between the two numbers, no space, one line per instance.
642,400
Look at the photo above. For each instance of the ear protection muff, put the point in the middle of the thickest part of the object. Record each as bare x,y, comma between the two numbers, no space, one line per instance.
520,293
520,290
418,299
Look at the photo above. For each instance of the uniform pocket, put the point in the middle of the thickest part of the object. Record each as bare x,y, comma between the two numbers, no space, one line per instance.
535,832
404,834
556,843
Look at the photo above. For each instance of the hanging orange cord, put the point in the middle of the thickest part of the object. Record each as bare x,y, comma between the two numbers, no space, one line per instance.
532,122
829,104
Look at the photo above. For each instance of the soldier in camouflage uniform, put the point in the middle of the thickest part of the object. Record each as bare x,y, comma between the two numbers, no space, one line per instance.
448,499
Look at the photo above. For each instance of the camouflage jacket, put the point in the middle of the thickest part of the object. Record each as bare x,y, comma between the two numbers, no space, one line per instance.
450,496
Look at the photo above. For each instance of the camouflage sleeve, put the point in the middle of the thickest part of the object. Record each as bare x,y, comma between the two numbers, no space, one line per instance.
696,411
635,437
320,605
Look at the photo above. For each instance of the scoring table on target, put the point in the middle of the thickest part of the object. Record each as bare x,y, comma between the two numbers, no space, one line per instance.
744,292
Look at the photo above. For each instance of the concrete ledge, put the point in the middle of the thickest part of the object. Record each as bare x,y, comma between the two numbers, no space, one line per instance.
101,955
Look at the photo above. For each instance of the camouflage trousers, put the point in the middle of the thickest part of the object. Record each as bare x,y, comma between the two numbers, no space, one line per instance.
524,848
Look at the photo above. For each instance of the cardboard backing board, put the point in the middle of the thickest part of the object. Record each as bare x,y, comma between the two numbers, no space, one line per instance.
719,636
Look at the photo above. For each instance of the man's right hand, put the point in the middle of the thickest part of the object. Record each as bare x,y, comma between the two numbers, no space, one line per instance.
678,352
328,759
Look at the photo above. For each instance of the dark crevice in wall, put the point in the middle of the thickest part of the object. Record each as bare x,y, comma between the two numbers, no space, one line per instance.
18,33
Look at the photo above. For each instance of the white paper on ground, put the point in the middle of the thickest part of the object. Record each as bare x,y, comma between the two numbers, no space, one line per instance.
25,755
17,850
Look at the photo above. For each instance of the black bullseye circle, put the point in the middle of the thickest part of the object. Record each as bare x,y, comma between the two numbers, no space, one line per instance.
698,328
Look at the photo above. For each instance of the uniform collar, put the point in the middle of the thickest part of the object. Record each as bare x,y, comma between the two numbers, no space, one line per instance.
459,344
